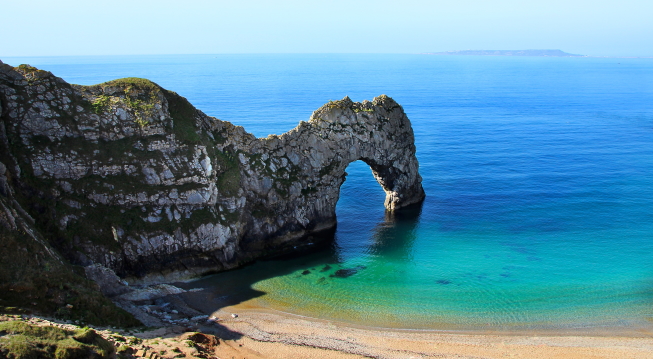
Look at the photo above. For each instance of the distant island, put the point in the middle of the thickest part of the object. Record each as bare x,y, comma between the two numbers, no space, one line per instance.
547,53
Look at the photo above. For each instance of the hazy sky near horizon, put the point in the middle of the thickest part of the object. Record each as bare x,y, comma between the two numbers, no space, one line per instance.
121,27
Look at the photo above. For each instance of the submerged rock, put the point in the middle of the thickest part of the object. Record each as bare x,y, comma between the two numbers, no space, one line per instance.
347,272
344,273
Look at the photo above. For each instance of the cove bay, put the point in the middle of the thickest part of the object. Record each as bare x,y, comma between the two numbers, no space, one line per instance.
537,172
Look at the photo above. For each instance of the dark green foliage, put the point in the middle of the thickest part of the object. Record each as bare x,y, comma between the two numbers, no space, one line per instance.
33,277
308,190
262,211
33,280
40,141
100,104
132,83
31,70
27,68
329,168
23,341
340,104
137,94
229,178
183,116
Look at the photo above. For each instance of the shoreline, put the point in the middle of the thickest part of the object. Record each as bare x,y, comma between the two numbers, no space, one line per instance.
263,334
622,328
265,330
255,331
250,330
607,330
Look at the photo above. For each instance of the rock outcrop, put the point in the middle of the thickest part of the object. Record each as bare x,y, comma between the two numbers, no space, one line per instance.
130,176
34,277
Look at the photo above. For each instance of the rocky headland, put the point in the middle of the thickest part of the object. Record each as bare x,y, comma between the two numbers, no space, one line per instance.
125,180
543,53
106,187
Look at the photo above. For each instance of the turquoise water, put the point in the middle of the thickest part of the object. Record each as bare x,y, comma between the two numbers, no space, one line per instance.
538,175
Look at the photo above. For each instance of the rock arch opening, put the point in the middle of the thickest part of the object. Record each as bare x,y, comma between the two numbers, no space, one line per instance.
364,226
359,210
360,191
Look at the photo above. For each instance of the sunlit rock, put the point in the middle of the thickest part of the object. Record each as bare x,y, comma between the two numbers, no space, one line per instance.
130,176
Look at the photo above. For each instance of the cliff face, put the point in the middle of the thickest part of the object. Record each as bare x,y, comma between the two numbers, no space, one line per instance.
35,278
131,176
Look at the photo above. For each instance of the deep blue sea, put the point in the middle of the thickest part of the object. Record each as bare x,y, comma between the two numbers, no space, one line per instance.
538,174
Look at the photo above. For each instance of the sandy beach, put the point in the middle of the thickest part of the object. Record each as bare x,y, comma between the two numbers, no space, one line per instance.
262,333
244,328
250,332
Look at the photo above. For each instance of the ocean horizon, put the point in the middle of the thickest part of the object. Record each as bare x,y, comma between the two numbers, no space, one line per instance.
537,172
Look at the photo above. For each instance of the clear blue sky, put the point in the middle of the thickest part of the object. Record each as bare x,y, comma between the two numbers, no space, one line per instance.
119,27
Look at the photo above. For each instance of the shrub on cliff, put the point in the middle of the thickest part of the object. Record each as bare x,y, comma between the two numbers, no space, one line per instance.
32,281
21,341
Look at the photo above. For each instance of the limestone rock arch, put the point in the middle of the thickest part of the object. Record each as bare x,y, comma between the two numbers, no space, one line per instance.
130,176
309,163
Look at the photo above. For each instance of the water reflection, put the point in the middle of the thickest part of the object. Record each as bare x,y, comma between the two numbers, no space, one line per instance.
364,229
364,226
236,286
395,236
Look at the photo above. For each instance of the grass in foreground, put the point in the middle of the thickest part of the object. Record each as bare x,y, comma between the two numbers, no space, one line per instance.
20,340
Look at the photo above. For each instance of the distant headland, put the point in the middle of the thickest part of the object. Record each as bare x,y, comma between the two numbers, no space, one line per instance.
546,53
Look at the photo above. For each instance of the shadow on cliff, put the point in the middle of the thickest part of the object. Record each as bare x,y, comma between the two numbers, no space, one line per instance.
394,237
217,291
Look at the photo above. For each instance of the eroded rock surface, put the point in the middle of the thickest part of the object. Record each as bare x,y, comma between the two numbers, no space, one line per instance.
130,176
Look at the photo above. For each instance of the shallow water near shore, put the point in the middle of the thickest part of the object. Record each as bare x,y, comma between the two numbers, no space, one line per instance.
538,174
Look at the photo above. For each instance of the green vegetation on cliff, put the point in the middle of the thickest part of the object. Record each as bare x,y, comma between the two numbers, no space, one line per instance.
21,340
131,177
183,117
34,279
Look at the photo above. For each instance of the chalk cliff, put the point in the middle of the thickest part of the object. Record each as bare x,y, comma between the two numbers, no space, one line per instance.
131,176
